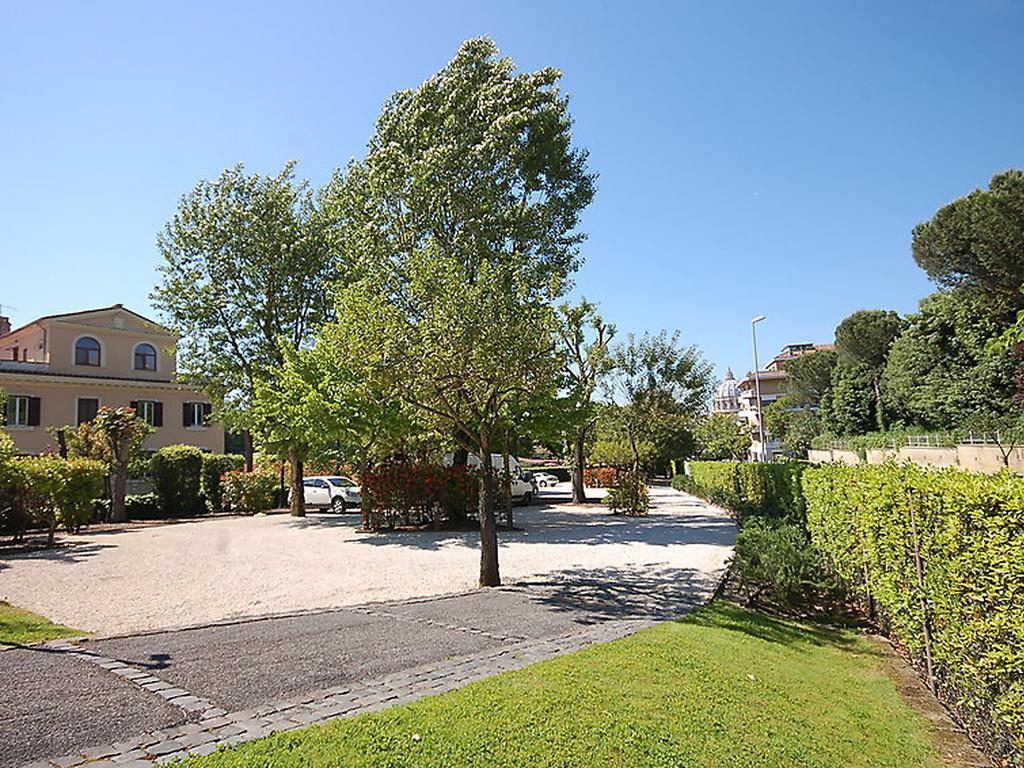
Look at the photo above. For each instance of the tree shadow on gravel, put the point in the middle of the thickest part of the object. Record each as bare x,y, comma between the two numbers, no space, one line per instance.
64,552
592,526
595,595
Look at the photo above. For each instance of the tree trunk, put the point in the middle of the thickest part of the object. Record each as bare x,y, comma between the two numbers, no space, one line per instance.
118,513
879,416
489,575
579,491
298,504
247,449
62,443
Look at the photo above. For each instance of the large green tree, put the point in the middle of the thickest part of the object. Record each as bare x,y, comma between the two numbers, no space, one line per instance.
247,260
942,371
661,387
795,424
976,243
304,405
719,438
863,341
809,376
585,338
462,226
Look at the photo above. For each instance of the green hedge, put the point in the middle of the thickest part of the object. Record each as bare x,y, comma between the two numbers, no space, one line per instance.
49,491
215,465
969,534
176,471
771,490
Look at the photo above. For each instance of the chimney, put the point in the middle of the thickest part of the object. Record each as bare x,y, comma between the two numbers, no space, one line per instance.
5,325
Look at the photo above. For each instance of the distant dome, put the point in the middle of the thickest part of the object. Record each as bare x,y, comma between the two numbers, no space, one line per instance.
727,396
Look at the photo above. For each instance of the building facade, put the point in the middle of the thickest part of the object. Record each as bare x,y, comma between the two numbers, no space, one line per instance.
771,381
60,369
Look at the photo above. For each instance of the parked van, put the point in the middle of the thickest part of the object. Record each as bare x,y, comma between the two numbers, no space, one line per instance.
520,487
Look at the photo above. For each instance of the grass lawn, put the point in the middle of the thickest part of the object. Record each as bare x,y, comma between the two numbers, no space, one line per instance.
20,626
723,687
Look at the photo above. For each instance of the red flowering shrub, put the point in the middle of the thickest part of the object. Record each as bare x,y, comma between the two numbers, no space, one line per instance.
405,493
600,477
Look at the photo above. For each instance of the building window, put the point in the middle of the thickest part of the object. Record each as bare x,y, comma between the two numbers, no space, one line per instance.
22,411
87,409
195,414
150,411
87,351
145,357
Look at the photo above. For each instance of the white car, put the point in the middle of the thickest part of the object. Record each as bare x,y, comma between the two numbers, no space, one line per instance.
339,494
545,479
520,488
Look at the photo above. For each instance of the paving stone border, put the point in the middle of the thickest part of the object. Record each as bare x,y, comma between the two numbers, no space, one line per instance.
194,706
216,728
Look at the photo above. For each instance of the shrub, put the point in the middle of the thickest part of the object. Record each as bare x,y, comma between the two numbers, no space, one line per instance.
56,491
775,564
213,468
619,453
402,492
600,477
747,488
249,492
968,531
629,495
142,506
176,472
685,483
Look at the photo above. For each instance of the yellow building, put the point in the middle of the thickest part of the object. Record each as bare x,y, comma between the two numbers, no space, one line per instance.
60,369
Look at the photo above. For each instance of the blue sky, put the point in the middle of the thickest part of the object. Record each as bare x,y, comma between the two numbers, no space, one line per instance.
754,158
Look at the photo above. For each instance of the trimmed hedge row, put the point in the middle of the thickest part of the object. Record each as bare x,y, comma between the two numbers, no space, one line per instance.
941,554
771,490
188,481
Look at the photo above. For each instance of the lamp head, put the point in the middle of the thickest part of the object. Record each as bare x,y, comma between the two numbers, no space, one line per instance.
758,319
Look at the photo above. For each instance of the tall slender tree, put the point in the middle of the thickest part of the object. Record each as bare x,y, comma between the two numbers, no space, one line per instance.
247,261
585,338
462,224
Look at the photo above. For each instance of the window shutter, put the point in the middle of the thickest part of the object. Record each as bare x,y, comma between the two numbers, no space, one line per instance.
135,406
206,413
34,408
158,414
186,414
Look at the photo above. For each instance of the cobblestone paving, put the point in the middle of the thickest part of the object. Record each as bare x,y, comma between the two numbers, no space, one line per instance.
216,727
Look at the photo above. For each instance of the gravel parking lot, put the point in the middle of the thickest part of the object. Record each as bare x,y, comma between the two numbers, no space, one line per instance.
208,571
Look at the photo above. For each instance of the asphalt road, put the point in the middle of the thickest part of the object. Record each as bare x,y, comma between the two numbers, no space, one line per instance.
53,703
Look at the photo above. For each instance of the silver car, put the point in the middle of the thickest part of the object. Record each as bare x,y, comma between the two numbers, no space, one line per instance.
339,494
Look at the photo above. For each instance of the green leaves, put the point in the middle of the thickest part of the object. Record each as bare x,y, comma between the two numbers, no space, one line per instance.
247,263
970,530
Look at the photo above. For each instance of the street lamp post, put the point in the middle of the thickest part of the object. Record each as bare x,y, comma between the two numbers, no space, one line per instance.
757,387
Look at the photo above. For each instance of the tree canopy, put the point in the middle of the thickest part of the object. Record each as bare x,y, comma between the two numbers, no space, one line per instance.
976,242
247,261
461,228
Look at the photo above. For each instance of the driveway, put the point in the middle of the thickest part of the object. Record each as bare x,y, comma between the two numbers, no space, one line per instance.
167,692
201,572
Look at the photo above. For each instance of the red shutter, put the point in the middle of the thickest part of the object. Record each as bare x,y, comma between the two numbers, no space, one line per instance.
186,414
158,414
34,408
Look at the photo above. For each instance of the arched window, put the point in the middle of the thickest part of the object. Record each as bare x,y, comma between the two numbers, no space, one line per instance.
87,351
145,357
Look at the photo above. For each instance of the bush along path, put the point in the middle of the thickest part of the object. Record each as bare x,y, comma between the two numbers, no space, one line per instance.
935,557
